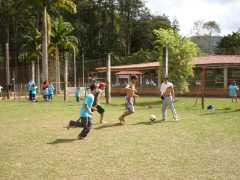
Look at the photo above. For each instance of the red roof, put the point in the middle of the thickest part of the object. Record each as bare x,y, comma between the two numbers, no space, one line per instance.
132,67
217,60
129,73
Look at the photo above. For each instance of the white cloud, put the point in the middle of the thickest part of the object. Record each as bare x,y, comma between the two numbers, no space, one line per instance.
225,12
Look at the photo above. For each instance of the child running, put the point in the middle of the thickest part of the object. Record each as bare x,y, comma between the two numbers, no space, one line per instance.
86,113
96,104
129,99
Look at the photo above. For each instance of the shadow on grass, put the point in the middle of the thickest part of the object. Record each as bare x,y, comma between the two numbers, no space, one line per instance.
108,126
220,111
150,123
61,141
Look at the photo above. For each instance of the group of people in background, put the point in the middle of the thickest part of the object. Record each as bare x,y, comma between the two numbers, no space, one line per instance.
47,91
233,91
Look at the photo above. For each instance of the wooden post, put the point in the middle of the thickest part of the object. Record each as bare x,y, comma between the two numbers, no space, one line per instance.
74,67
203,85
225,78
65,76
7,70
165,62
108,88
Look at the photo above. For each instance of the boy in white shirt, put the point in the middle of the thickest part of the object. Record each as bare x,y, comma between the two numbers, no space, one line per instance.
167,95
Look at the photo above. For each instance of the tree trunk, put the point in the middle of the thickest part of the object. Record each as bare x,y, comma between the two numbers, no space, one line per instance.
58,79
7,64
65,76
75,67
38,72
108,88
33,70
44,46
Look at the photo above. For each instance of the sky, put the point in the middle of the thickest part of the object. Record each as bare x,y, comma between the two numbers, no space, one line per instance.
225,12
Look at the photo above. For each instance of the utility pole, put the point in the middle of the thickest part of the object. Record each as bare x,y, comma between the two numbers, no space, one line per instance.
83,68
165,62
108,73
203,85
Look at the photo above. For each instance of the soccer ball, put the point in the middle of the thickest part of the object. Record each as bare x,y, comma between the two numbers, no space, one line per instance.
152,117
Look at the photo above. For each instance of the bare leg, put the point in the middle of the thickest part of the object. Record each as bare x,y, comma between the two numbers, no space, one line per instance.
101,118
125,114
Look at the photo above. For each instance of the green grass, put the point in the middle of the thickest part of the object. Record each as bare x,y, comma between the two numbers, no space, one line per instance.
203,145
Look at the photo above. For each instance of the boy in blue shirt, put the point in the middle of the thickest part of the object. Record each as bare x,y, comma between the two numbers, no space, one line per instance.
232,90
50,91
33,90
85,119
86,113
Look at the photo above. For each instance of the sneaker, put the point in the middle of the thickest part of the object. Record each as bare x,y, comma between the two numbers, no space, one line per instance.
80,137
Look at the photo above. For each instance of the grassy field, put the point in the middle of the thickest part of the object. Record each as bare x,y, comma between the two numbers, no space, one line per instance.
203,145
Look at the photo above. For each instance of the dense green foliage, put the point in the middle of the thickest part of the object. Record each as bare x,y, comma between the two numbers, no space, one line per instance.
181,53
119,26
230,44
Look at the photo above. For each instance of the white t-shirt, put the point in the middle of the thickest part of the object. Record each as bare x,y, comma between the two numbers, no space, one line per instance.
1,89
164,87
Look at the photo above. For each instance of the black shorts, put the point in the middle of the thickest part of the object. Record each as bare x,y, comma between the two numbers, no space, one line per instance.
100,109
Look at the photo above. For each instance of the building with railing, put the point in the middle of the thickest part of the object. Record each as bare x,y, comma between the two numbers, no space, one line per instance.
214,72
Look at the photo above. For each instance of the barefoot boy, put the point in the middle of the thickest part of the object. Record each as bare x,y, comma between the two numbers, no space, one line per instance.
129,99
96,104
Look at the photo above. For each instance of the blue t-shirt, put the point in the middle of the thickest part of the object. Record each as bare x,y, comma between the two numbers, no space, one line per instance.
46,92
77,94
34,90
232,90
88,100
29,85
50,89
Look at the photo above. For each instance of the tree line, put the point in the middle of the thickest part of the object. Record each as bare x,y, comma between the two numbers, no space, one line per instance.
39,31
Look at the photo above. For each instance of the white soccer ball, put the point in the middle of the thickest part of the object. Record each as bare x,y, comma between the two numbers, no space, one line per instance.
152,117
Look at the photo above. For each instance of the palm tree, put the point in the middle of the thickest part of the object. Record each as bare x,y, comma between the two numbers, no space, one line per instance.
213,28
32,48
68,5
62,39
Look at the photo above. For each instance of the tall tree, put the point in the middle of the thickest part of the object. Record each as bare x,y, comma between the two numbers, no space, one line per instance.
62,39
32,49
181,52
44,5
229,44
212,28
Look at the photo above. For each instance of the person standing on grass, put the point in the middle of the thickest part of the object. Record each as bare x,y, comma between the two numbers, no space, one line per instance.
129,99
51,90
33,92
167,95
86,112
29,86
96,104
46,94
77,94
232,90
